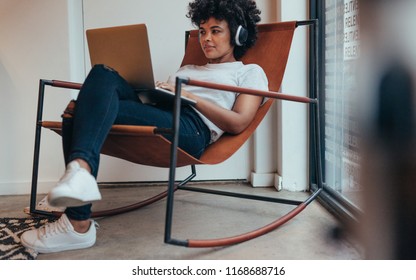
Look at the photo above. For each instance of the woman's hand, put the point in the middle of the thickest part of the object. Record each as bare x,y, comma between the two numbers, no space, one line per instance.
169,87
165,85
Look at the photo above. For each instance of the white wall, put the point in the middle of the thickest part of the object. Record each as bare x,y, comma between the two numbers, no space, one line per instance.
34,43
293,127
45,39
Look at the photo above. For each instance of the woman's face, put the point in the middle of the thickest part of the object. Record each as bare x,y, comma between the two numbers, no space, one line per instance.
215,40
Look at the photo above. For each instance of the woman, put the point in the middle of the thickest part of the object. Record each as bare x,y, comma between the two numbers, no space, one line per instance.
227,29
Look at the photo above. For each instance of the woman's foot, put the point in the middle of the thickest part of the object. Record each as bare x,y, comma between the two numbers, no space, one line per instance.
77,187
60,236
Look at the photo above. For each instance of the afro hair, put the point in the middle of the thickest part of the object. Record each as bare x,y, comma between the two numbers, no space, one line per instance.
235,12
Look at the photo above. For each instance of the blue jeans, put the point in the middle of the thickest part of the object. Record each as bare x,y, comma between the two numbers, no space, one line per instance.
106,99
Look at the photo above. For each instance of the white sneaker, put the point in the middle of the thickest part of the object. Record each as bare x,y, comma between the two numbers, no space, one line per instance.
58,236
44,205
77,187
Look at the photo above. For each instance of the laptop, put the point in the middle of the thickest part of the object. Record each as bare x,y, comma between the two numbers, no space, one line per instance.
126,50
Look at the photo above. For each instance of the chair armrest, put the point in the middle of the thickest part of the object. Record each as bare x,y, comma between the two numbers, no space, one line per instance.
41,94
250,91
64,84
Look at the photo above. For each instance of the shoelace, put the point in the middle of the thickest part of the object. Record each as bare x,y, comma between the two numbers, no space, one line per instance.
52,229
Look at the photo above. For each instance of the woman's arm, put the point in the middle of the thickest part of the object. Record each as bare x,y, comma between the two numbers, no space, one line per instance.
232,121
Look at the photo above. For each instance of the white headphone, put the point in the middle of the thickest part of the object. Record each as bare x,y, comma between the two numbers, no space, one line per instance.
241,36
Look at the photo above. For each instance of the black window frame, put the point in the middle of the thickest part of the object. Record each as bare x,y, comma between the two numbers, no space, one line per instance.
329,198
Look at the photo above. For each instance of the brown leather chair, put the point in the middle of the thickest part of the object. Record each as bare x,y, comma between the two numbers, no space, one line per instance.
270,52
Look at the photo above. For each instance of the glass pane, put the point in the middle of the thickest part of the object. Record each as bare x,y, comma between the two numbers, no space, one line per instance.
341,53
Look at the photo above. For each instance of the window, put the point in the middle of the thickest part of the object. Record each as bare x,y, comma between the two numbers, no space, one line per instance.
339,48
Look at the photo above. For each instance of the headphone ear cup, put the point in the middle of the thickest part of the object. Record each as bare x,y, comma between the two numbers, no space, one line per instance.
241,36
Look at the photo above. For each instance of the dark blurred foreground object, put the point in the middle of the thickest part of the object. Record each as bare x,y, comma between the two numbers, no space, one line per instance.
388,177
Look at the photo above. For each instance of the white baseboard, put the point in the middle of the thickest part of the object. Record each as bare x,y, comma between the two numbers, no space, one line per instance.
278,182
262,179
24,188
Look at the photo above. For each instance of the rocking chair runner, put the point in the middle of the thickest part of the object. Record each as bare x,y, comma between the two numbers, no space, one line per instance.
271,53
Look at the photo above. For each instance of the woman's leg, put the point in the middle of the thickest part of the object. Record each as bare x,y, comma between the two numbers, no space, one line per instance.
194,135
77,215
106,99
96,110
84,134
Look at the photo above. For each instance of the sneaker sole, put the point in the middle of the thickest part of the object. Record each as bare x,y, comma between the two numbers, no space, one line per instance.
67,201
61,249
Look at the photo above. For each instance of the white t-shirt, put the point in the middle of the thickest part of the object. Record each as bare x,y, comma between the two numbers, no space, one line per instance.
231,73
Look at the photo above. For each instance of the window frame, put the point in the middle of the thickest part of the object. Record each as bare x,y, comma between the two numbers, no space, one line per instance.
334,201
